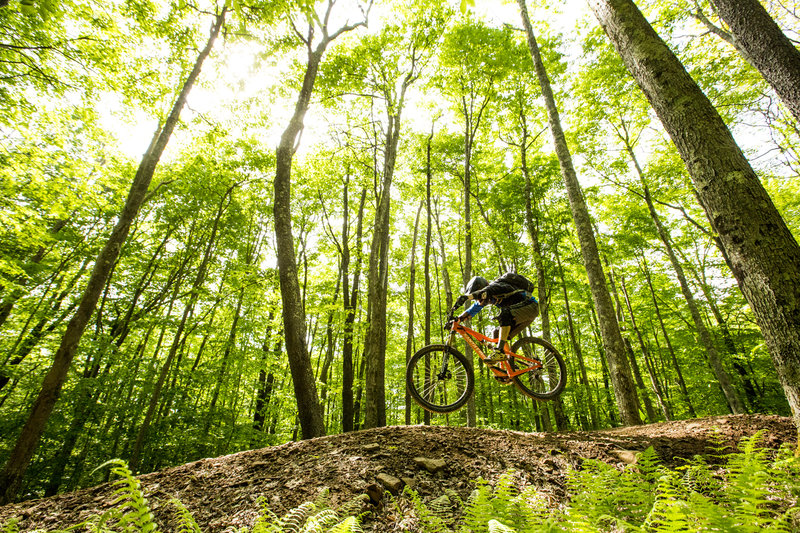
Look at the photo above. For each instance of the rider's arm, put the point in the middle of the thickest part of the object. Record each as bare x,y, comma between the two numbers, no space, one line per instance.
473,310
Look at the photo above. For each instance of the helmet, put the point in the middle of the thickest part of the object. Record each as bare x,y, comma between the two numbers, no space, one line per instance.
475,284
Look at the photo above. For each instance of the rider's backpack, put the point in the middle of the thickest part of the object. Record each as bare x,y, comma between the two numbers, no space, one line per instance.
518,281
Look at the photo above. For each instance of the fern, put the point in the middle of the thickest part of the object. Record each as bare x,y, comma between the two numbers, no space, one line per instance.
649,465
479,507
186,522
11,526
698,477
498,527
756,490
670,511
536,507
307,518
133,513
418,517
505,506
267,521
294,520
348,525
321,522
600,490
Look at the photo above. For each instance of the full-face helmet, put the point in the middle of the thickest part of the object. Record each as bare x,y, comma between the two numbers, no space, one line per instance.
475,284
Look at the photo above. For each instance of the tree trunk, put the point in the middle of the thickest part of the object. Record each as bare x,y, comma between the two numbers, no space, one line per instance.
426,415
324,373
309,410
266,382
533,233
351,300
467,274
583,376
18,461
737,361
723,378
646,355
763,252
375,341
428,238
673,358
614,347
412,272
763,44
448,291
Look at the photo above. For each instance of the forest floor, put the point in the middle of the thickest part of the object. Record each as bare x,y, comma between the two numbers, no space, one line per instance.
224,494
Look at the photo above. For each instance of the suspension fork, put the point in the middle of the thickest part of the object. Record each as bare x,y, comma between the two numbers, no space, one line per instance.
450,338
446,356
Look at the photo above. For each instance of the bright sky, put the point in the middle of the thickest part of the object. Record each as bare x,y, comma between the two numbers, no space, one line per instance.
239,58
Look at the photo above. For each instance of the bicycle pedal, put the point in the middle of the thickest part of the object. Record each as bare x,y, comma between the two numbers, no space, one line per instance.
503,380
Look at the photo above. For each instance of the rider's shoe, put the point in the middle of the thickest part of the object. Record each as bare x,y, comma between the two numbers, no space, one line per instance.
495,356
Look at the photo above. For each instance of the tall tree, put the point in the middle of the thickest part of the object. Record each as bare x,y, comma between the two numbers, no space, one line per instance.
350,303
395,59
412,274
762,43
17,464
294,315
468,48
764,254
613,344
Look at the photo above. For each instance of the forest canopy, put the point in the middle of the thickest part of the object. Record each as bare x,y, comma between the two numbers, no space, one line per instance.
227,226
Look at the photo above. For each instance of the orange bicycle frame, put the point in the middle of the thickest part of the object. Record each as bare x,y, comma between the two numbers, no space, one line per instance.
470,336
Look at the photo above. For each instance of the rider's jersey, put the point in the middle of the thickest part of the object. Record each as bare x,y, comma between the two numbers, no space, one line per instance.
500,294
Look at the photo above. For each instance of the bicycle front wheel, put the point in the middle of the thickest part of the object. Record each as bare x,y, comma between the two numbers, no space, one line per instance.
439,378
547,375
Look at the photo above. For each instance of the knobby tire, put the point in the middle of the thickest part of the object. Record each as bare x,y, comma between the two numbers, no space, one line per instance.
437,391
541,384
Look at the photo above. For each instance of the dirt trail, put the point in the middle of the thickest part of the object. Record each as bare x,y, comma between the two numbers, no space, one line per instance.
223,493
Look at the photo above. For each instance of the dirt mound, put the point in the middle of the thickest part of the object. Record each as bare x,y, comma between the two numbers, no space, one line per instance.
224,492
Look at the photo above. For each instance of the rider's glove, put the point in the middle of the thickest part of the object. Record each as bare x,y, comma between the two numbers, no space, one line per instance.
460,301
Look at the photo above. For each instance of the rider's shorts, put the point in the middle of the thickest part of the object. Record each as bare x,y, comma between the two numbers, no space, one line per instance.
518,316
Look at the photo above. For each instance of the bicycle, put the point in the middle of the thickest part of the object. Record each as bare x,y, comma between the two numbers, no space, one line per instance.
441,380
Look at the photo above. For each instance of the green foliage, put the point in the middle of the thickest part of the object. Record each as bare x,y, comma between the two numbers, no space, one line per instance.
186,522
748,495
416,515
11,527
605,492
757,490
131,512
71,72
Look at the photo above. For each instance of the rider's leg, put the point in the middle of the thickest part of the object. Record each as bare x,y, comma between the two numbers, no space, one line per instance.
523,317
506,320
504,331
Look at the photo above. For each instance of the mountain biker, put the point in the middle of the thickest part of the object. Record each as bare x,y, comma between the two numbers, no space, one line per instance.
512,293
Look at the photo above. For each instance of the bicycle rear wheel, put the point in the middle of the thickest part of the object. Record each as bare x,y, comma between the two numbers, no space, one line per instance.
543,382
439,378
